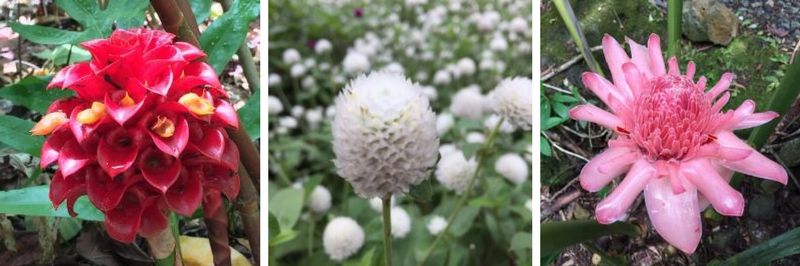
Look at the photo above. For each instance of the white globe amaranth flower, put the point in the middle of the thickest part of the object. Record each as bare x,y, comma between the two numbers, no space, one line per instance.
274,105
274,80
436,225
444,122
529,205
342,238
287,122
512,167
466,66
498,43
519,25
414,3
475,137
308,82
314,116
319,201
291,56
297,70
401,223
446,149
430,92
513,99
297,111
454,171
330,111
442,77
468,103
491,122
377,204
355,62
322,46
384,134
394,67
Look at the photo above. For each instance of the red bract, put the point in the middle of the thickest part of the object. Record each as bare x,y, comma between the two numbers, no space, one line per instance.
145,134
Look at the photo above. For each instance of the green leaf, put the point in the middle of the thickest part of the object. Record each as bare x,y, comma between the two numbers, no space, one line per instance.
60,55
463,221
224,36
47,35
126,14
521,240
287,209
15,132
31,92
69,228
201,9
250,115
762,254
544,147
366,259
34,201
559,235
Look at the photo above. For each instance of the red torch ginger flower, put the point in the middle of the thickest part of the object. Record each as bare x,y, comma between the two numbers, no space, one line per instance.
145,134
673,140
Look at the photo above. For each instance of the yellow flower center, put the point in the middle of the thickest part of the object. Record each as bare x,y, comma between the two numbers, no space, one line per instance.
127,100
163,127
48,123
196,104
93,114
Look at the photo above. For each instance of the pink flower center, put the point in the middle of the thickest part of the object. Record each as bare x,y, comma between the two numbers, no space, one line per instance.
672,118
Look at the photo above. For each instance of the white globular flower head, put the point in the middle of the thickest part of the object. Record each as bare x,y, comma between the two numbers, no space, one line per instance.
512,167
444,122
436,225
319,201
342,238
377,204
322,46
442,77
513,99
287,122
297,70
446,149
401,223
475,137
355,62
291,56
519,25
274,105
498,43
491,122
384,134
468,103
430,92
314,116
274,79
454,171
466,66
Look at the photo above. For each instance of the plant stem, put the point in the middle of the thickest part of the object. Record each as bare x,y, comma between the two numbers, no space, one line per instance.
674,16
163,245
247,205
574,28
216,220
245,58
482,155
387,230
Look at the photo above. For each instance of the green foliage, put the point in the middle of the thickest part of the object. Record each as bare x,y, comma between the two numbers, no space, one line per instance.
34,201
95,22
227,33
31,92
781,246
250,115
559,235
201,9
286,206
15,132
64,52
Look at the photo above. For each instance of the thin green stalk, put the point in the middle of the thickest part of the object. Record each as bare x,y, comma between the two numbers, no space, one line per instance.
311,233
387,230
482,155
674,13
574,28
245,58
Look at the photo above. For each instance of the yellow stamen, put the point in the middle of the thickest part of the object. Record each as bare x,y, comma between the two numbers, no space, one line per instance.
92,115
196,104
127,100
163,127
48,123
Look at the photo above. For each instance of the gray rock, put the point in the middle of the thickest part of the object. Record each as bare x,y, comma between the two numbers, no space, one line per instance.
709,20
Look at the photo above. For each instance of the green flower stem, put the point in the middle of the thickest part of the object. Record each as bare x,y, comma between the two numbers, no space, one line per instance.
574,28
674,16
387,230
482,155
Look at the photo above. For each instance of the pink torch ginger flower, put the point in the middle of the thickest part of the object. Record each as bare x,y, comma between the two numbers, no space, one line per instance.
144,135
673,141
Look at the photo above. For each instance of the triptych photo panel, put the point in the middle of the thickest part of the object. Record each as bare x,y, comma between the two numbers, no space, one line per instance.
367,132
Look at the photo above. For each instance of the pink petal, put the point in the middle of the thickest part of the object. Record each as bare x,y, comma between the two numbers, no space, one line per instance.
636,80
225,114
590,113
117,150
122,223
53,145
656,58
721,85
640,57
186,194
72,158
756,119
756,164
605,166
62,188
106,192
690,68
122,114
614,206
210,141
675,217
153,221
221,179
615,56
701,82
725,199
673,66
601,87
230,157
175,144
189,52
159,169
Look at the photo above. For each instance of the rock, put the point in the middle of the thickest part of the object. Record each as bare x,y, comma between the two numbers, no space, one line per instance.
709,20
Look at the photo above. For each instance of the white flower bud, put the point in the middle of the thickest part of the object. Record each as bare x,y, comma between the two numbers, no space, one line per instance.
512,167
466,66
291,56
319,201
355,62
322,46
513,99
492,120
342,238
377,204
274,105
274,79
467,103
401,223
384,135
297,70
454,171
436,225
298,111
444,122
475,137
442,77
